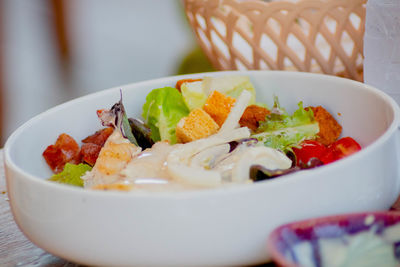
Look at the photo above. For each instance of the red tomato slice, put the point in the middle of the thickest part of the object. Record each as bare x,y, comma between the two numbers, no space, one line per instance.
309,149
340,149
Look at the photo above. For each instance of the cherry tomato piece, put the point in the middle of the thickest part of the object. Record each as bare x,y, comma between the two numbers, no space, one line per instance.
340,149
309,149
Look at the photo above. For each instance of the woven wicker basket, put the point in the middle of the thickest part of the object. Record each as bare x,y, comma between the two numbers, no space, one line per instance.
324,36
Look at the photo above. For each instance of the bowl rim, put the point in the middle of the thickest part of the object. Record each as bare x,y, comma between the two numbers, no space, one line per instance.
273,237
10,164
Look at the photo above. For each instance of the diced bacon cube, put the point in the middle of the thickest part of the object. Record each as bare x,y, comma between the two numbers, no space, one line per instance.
65,149
90,152
99,137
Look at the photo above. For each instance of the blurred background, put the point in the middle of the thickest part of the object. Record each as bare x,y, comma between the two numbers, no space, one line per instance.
52,51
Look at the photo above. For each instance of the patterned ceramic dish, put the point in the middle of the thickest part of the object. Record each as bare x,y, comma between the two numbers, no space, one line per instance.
365,239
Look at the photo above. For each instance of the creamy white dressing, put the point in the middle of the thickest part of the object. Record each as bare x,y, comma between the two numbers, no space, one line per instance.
209,157
179,159
151,163
212,166
267,157
195,165
206,162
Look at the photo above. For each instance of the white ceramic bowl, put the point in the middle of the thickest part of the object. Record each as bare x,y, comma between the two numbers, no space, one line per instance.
225,226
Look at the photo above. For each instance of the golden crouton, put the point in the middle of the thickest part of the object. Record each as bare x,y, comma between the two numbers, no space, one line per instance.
252,115
218,106
198,124
329,128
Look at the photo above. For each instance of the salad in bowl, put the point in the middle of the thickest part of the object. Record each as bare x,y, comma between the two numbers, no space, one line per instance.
189,197
202,133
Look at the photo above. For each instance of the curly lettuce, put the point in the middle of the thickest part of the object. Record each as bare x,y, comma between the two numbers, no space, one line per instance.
162,111
283,131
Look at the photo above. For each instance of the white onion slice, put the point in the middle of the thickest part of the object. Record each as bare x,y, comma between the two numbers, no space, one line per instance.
179,159
232,121
267,157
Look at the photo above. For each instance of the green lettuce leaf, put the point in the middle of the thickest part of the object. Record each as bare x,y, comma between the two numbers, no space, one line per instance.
162,111
283,131
195,93
71,174
231,86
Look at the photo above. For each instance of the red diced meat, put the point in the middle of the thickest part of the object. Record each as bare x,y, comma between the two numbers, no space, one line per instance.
99,137
65,149
90,152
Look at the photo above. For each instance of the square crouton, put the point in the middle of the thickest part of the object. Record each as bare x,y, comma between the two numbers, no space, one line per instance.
218,106
252,116
198,124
